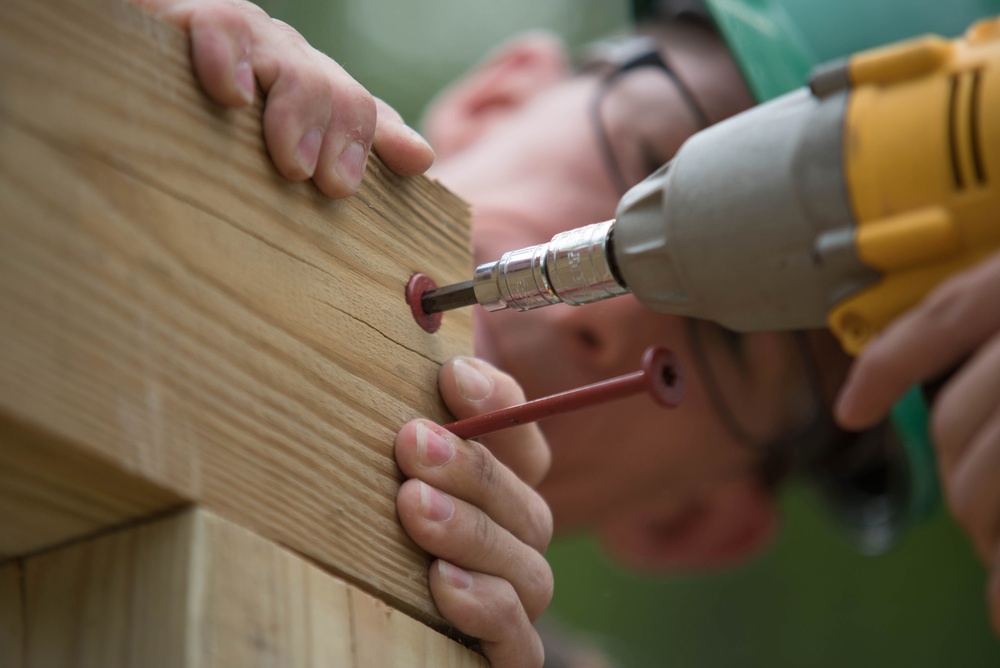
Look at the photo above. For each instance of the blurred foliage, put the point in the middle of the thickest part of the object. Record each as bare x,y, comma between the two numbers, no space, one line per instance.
811,600
405,52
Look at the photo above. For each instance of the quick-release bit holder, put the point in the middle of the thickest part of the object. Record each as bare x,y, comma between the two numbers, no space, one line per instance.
575,267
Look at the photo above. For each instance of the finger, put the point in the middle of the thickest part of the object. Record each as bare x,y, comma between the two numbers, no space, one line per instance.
468,471
462,534
221,39
965,404
486,608
921,344
399,146
472,387
973,489
318,121
176,12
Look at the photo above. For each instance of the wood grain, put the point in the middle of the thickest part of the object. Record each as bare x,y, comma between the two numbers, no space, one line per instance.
411,645
196,591
52,491
173,308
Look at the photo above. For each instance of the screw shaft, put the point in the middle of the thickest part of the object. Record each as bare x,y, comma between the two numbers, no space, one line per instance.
659,376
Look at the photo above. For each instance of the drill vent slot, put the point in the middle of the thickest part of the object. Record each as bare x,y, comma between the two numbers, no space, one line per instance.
963,119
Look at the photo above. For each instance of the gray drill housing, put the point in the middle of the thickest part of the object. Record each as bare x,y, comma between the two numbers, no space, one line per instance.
750,224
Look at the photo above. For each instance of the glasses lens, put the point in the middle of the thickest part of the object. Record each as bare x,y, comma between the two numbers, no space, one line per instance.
762,383
644,120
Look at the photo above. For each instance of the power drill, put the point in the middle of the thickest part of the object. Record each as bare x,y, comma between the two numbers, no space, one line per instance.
840,204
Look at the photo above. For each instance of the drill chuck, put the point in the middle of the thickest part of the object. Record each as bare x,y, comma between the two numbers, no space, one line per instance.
575,267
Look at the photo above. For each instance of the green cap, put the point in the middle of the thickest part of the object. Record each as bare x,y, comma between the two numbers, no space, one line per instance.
777,43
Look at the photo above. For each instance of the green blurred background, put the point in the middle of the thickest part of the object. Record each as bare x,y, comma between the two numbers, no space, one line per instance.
811,600
404,52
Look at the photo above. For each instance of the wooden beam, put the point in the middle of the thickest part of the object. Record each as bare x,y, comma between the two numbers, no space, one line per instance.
196,591
52,491
173,309
386,637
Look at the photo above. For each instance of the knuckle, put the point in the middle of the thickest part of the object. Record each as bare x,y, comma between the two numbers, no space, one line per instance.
306,82
359,98
355,108
225,22
288,33
485,469
484,536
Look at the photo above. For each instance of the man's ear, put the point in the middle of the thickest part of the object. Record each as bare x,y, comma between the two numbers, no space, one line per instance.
506,79
721,530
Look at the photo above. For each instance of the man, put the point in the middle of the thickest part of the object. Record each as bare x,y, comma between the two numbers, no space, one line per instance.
521,138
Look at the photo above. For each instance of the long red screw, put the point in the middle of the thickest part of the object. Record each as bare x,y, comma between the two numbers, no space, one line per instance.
660,375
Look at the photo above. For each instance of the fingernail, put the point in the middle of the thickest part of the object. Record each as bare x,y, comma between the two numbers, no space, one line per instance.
432,448
307,152
436,506
245,82
470,382
351,165
454,576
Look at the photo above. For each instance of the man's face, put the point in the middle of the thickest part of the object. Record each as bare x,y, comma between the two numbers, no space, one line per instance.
663,487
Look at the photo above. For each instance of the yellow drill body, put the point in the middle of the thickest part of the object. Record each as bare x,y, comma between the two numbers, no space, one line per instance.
922,154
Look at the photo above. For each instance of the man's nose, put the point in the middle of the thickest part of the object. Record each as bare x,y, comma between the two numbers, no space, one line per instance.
609,336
